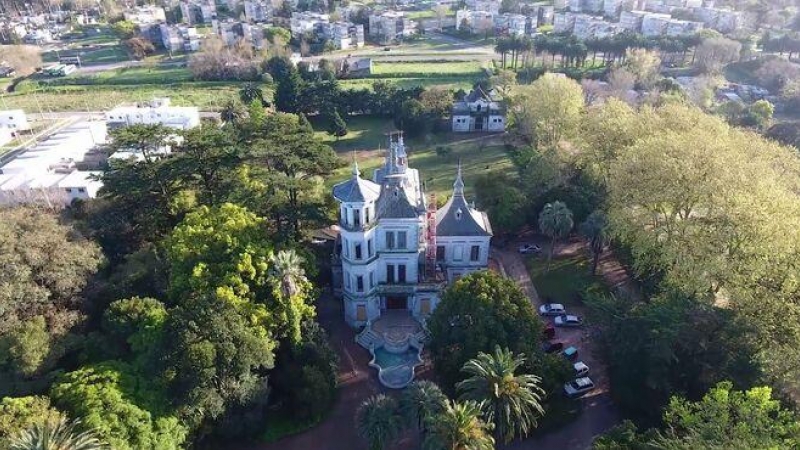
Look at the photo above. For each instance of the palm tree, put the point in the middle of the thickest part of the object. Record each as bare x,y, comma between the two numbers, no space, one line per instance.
511,402
232,111
594,229
459,427
56,435
422,399
555,221
250,92
378,421
287,269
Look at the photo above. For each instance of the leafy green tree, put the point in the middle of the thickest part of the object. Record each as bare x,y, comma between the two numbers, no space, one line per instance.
421,400
137,323
124,29
459,427
27,346
508,400
233,111
547,111
502,199
594,230
21,413
102,395
305,375
304,125
217,357
477,313
722,419
555,221
336,125
142,190
292,291
207,160
222,251
59,435
138,47
292,164
378,421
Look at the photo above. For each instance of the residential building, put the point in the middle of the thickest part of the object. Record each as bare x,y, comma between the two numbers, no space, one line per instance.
390,26
632,20
258,11
513,24
479,111
157,111
654,24
178,38
491,6
395,252
677,27
15,119
593,27
197,12
306,22
144,15
476,21
344,35
231,32
722,20
563,22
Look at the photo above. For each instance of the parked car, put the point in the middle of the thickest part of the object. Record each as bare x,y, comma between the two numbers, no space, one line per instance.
529,248
568,320
581,369
570,353
549,331
552,347
552,309
578,387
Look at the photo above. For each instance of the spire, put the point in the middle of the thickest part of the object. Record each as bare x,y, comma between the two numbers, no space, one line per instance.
391,158
356,172
458,186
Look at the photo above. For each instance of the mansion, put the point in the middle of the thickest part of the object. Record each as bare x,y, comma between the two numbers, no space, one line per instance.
479,111
396,250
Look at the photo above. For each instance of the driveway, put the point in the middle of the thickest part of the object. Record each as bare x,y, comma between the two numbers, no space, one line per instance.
598,412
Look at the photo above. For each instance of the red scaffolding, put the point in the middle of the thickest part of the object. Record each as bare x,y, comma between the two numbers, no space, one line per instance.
430,251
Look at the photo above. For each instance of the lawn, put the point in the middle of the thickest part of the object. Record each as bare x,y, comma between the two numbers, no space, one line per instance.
427,69
207,96
437,171
567,279
452,82
128,75
95,55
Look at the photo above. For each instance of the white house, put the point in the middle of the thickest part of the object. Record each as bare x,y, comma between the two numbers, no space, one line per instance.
15,119
158,111
395,251
479,111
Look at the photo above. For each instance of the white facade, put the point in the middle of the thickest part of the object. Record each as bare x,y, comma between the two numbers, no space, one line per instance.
258,11
158,112
384,238
305,22
15,119
143,15
44,173
389,26
479,111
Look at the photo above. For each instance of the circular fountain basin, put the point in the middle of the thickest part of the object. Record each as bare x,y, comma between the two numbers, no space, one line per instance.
396,369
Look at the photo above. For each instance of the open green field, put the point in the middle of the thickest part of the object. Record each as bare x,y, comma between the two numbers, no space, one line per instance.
367,136
454,83
424,68
123,76
567,279
207,96
105,54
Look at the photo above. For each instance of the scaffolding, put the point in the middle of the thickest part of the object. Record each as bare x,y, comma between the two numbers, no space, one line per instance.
430,251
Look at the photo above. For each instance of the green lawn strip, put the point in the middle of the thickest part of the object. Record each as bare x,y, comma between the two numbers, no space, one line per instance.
103,55
364,133
455,83
427,68
567,279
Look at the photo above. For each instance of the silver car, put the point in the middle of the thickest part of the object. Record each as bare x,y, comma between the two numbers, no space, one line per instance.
578,387
568,320
552,309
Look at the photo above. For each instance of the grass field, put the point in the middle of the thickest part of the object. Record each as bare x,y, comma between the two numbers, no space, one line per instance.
367,135
454,83
429,69
96,55
567,279
126,75
207,96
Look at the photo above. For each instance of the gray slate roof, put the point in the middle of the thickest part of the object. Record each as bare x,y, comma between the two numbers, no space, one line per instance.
393,202
469,222
356,190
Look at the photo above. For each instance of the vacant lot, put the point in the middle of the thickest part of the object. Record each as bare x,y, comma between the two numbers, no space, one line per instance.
569,275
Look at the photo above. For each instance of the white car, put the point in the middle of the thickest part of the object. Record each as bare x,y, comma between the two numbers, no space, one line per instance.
529,248
578,387
552,309
567,320
581,369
